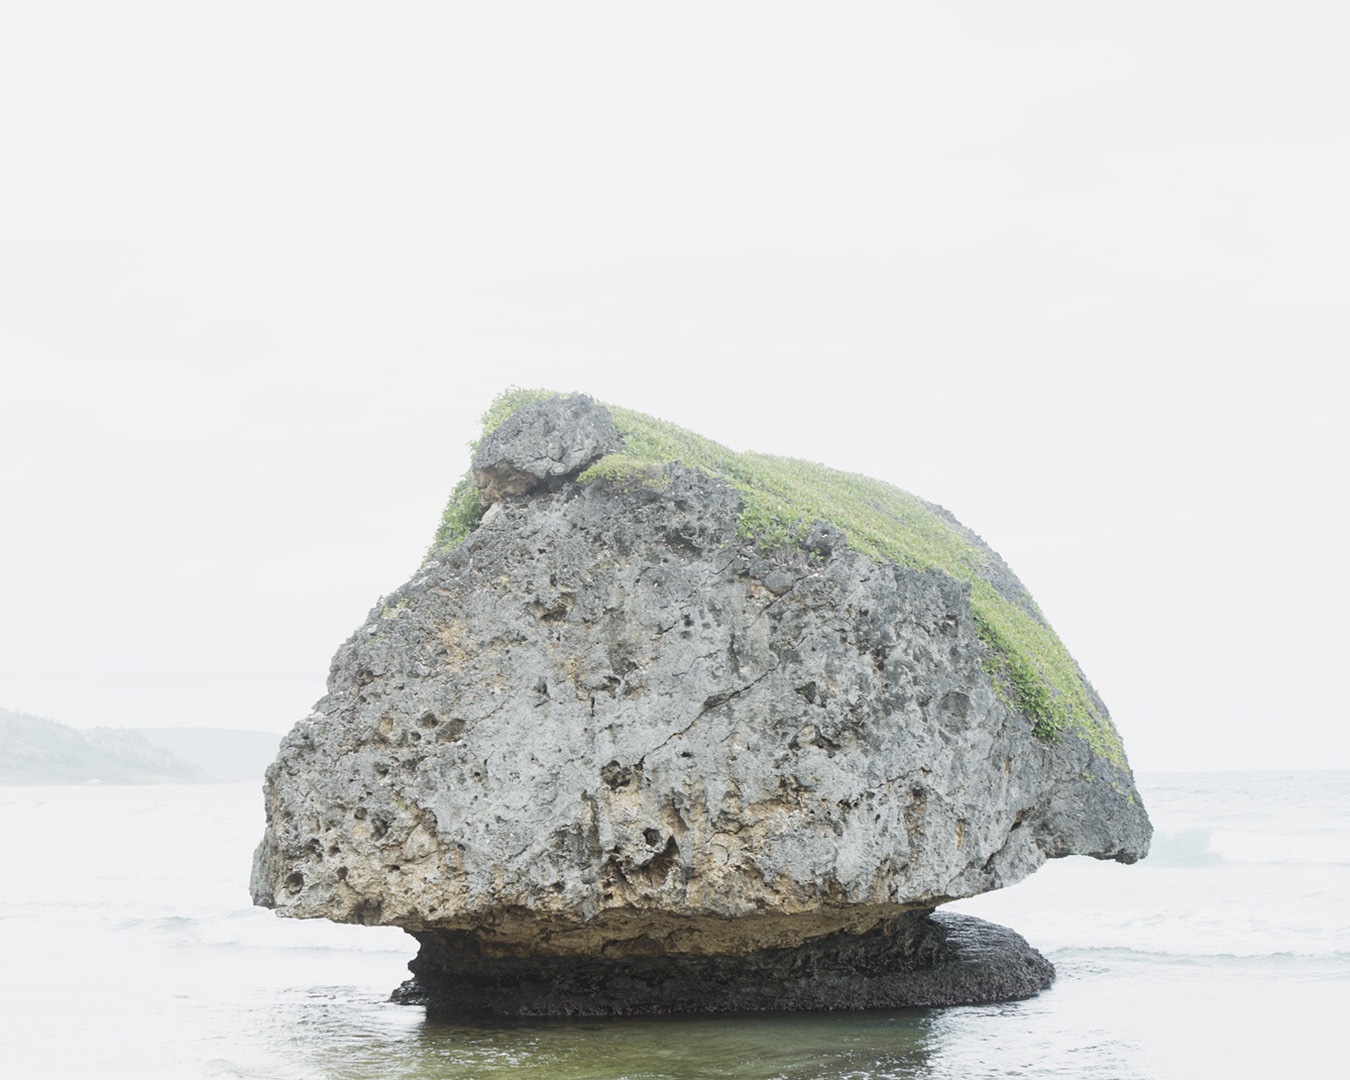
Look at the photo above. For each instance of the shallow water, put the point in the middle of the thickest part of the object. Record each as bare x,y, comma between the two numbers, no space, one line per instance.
129,949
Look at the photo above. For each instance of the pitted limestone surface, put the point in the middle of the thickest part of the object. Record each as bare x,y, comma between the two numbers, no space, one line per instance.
604,726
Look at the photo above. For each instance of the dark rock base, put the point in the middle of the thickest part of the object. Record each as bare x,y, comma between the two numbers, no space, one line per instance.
917,960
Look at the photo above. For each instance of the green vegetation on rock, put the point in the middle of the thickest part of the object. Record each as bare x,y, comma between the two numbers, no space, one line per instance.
783,497
465,508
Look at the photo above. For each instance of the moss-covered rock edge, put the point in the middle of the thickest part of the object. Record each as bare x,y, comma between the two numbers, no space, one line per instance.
784,497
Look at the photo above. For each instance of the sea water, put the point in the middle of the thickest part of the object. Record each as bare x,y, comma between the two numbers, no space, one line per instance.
128,948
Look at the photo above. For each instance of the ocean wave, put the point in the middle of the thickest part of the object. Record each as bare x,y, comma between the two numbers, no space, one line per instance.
1208,846
1185,847
257,929
1095,961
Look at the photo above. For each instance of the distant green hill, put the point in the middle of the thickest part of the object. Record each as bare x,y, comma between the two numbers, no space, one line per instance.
229,755
34,751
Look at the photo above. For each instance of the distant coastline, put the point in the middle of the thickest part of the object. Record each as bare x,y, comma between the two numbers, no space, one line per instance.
38,752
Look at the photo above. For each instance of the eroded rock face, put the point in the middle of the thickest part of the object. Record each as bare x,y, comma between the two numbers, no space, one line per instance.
604,727
912,960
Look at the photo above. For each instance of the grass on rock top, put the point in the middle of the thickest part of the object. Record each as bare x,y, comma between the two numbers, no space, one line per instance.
783,497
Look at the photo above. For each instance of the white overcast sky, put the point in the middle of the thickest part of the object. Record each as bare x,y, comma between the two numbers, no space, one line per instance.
1077,271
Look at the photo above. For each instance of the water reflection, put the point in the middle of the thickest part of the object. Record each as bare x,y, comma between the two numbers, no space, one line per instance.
802,1046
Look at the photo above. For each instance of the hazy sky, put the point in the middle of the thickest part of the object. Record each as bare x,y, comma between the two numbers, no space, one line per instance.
1076,271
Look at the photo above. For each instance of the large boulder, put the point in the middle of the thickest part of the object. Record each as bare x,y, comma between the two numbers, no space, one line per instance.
641,717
